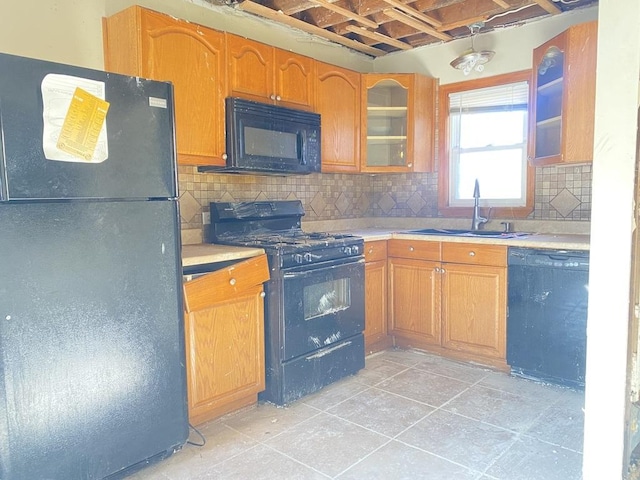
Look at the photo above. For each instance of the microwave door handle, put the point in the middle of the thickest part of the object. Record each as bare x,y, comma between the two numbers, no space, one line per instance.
303,148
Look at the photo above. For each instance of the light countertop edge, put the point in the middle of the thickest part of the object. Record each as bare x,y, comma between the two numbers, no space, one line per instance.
537,240
202,253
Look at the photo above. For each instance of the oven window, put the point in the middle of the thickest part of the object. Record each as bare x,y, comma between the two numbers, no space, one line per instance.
326,298
270,143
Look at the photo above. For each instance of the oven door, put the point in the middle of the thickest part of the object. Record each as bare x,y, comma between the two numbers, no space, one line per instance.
323,304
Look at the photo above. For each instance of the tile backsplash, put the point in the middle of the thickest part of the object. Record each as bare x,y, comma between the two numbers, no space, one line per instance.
562,193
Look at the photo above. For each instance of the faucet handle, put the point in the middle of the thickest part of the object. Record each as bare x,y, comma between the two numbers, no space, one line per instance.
507,226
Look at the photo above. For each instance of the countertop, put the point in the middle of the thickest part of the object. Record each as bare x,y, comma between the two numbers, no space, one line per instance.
202,253
534,240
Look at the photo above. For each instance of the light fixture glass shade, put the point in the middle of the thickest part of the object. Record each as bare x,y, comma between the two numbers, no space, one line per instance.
472,59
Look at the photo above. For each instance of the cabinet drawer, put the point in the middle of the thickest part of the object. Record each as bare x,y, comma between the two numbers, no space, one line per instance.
418,249
375,250
474,254
225,283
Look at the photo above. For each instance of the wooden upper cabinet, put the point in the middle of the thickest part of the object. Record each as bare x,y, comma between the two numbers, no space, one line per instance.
338,103
398,123
267,74
294,79
152,45
250,68
563,97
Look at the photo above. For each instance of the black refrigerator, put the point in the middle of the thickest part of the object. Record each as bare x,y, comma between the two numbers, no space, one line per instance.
92,372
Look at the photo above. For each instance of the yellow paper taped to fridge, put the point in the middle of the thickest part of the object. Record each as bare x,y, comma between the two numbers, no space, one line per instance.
82,124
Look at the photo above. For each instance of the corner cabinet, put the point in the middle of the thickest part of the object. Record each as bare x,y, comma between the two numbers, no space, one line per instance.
267,74
563,97
145,43
398,127
375,287
224,339
338,103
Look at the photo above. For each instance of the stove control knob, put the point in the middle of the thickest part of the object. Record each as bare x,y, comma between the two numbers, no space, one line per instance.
356,250
297,258
307,257
347,250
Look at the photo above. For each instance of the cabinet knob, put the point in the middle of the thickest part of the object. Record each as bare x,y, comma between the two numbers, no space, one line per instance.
472,253
262,294
224,156
272,96
442,270
411,249
370,251
278,97
232,281
409,165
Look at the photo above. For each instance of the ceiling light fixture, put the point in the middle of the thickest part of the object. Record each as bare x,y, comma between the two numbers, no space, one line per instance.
471,59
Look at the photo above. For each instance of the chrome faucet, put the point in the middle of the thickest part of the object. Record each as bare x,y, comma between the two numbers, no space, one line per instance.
477,221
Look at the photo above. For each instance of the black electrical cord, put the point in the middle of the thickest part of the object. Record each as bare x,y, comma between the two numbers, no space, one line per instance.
204,440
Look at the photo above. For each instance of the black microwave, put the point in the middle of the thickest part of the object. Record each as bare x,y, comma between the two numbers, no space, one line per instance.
270,139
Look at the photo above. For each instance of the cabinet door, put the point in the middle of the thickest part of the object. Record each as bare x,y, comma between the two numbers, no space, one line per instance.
188,55
474,309
294,80
563,97
225,354
375,311
398,112
414,296
338,103
250,67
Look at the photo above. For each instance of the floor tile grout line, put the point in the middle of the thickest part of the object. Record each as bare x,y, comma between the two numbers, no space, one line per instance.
363,458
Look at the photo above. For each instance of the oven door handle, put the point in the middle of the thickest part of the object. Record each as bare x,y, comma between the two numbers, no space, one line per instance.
313,269
327,351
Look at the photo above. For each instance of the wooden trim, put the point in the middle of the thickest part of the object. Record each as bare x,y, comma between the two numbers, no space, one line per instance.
443,149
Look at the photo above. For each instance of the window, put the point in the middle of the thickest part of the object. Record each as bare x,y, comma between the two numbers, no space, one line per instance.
484,129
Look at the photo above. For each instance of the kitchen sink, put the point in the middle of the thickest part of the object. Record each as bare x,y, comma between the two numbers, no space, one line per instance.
468,233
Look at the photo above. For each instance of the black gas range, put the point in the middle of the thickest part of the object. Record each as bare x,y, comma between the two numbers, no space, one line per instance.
314,303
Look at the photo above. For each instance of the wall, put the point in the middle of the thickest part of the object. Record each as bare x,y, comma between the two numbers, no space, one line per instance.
612,228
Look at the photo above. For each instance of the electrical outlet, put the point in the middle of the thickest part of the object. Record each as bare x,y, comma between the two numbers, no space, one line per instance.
206,217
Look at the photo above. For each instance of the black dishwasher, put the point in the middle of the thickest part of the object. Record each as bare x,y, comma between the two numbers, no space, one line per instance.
548,293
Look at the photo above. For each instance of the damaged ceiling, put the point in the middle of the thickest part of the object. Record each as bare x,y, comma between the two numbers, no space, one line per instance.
378,27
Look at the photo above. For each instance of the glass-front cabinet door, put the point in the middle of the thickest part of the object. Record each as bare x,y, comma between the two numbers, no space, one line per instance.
397,123
563,97
550,85
387,124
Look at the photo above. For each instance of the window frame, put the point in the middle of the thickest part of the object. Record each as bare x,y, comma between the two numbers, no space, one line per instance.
444,163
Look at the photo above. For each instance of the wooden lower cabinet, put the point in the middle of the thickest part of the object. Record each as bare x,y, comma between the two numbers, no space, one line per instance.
375,279
414,315
224,339
474,309
449,298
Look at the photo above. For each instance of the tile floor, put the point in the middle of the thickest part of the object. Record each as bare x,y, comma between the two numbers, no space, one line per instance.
407,415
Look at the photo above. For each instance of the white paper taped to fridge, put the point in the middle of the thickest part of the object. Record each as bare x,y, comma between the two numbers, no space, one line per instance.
74,113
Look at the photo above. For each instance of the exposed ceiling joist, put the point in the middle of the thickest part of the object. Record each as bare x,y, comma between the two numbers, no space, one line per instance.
347,13
414,13
418,25
378,37
549,6
266,12
394,25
